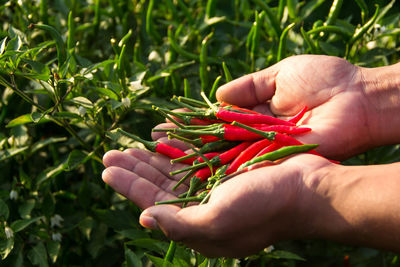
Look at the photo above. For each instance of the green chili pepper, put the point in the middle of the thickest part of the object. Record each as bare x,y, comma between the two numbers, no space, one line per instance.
96,20
279,154
363,29
228,76
330,28
310,43
203,62
281,8
214,89
271,16
61,53
292,8
179,49
282,43
364,10
186,89
256,38
149,23
125,39
210,8
334,12
43,11
71,32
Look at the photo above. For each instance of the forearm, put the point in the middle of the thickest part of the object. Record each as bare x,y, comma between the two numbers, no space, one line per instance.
382,90
357,205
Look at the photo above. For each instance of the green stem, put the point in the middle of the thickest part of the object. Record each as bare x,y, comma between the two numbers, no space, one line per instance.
269,135
170,253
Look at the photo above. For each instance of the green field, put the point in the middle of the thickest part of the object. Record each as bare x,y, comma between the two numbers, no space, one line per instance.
71,71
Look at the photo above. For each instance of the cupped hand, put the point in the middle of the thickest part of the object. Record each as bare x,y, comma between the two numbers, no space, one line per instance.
244,214
330,87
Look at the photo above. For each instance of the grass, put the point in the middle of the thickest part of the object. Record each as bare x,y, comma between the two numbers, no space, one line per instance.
72,71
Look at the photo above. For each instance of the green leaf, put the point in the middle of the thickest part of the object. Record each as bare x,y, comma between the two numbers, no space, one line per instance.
26,208
282,254
158,262
8,153
50,172
132,260
38,255
6,246
4,211
82,101
42,143
150,244
41,71
76,158
133,233
23,119
3,45
67,115
20,225
53,248
117,219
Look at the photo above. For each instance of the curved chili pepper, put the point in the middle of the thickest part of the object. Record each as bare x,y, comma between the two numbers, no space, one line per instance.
220,159
247,154
231,116
156,146
296,118
279,154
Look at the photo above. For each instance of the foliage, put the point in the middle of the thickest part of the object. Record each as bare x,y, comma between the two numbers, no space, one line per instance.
71,71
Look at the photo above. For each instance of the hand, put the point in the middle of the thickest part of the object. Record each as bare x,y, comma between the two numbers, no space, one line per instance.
243,215
330,87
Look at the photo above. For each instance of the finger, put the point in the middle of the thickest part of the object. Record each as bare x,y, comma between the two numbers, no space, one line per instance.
158,135
137,189
130,163
251,89
178,224
159,162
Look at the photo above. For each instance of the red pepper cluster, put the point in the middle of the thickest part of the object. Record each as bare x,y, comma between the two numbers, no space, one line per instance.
223,137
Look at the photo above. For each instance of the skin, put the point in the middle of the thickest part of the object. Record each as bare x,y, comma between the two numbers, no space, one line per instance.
303,197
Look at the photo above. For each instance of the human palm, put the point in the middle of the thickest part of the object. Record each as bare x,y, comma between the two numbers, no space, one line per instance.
330,87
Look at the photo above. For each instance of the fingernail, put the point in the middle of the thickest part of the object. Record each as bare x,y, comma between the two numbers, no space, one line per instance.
148,221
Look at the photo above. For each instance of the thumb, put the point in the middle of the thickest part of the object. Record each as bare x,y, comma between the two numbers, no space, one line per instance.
177,224
251,89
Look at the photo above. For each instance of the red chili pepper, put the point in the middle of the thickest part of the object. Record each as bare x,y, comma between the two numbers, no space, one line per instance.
208,138
296,118
220,159
207,156
223,104
156,146
203,173
247,119
281,128
247,154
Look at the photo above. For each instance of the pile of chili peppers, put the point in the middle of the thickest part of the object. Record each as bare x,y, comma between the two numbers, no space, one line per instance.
225,140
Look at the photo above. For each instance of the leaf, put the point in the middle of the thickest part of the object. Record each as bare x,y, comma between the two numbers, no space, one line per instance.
67,115
8,153
42,143
25,208
6,246
23,119
41,71
53,248
38,255
133,234
82,101
132,260
4,210
20,225
50,172
150,244
3,45
158,262
117,219
76,158
282,254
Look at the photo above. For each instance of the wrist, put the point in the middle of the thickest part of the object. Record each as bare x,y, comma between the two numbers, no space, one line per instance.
382,91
